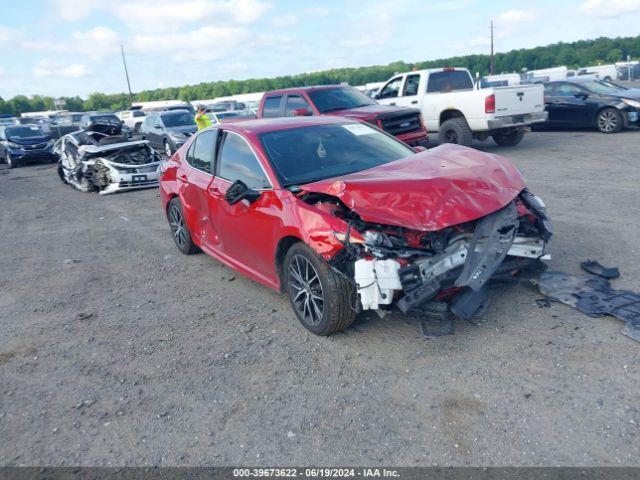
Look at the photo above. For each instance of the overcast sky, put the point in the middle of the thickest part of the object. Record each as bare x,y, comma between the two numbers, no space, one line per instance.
71,47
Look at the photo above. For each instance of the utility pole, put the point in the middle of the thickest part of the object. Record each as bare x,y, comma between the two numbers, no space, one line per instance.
491,66
126,73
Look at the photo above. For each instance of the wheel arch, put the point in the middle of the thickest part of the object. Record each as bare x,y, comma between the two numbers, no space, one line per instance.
449,114
283,246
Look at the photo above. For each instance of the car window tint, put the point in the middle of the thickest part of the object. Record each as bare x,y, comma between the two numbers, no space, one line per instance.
450,81
202,151
237,162
549,88
566,90
294,102
271,107
411,85
391,89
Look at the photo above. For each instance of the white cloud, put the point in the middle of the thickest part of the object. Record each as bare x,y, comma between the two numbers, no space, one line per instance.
47,68
516,16
5,34
285,20
206,43
72,10
317,11
166,15
609,8
97,43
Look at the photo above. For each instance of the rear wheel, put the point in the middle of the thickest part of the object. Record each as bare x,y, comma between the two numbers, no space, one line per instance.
320,297
609,120
508,138
181,234
455,130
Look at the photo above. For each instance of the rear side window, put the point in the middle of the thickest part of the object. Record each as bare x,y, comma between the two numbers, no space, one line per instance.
567,90
294,102
443,82
202,151
271,107
411,85
237,162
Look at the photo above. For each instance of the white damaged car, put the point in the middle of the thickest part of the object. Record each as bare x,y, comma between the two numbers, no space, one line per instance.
100,159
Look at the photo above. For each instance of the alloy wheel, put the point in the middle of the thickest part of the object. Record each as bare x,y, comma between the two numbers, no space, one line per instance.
607,121
306,290
176,221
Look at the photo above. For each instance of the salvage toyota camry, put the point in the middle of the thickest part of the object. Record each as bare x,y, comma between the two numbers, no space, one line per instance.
99,158
343,217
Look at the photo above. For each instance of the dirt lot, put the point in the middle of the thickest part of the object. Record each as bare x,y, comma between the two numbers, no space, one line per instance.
117,350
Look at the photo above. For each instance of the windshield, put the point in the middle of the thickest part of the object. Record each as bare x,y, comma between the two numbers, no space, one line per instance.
178,119
307,154
598,87
24,132
339,98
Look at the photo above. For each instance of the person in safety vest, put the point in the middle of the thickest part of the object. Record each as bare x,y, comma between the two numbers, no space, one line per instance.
201,118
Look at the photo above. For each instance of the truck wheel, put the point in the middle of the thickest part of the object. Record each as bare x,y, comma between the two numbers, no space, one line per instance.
609,120
455,130
508,138
319,296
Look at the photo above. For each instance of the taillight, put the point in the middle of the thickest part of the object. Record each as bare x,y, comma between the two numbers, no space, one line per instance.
490,104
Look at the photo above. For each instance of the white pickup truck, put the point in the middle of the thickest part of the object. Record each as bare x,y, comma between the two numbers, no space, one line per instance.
453,106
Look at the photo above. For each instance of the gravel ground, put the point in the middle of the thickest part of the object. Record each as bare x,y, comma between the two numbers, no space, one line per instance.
117,350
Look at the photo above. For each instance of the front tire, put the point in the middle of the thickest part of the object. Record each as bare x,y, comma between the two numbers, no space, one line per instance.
12,163
455,130
319,296
609,120
508,138
181,234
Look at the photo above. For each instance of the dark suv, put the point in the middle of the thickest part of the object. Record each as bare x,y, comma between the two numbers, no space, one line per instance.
20,144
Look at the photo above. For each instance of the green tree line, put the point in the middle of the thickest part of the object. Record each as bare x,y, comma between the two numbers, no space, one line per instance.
573,55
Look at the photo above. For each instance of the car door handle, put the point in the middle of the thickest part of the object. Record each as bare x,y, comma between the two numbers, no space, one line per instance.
392,103
413,102
182,177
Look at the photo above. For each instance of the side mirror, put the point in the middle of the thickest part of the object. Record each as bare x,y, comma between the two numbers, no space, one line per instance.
302,112
419,149
239,191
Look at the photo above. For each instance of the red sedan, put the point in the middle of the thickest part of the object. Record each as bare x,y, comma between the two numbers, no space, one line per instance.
344,217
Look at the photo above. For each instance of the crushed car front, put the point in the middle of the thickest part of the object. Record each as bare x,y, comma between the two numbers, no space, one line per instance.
417,228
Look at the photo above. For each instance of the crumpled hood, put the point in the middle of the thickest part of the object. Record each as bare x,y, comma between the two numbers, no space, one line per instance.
372,111
430,190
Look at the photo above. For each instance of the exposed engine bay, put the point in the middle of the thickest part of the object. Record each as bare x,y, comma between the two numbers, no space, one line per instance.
427,271
103,160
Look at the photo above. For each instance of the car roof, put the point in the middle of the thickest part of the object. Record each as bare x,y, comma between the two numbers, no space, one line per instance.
303,89
263,125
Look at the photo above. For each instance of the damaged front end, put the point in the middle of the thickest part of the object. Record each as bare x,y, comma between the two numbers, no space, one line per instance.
108,164
446,270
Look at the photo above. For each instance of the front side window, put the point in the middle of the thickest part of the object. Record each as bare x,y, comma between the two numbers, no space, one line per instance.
391,89
307,154
567,90
238,162
449,81
202,151
411,85
271,106
295,102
